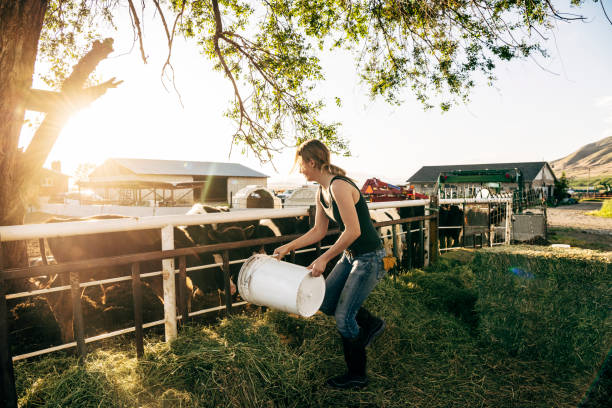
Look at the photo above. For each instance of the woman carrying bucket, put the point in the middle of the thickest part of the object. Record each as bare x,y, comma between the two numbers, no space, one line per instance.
358,270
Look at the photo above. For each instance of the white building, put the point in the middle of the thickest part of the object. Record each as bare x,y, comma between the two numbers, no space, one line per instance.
170,182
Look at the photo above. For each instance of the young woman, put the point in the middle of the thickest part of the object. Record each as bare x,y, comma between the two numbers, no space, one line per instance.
358,270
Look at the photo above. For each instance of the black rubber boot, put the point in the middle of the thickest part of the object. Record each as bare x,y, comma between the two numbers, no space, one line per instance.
371,325
355,357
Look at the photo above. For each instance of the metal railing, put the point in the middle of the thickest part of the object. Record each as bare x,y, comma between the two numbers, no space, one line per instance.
479,235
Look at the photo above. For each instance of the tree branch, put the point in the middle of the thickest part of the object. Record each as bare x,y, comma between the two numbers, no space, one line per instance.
72,96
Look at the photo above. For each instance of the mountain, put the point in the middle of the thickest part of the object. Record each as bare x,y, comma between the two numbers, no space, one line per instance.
595,156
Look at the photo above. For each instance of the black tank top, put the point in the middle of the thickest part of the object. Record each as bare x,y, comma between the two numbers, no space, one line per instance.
369,240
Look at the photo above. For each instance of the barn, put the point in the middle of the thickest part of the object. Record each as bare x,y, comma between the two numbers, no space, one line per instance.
536,175
170,182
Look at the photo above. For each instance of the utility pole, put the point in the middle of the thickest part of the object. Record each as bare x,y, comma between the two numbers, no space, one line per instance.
589,182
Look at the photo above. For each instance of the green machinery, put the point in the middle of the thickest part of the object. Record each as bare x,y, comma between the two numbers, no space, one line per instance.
491,179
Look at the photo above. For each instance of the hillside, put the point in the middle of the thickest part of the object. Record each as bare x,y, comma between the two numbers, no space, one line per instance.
595,156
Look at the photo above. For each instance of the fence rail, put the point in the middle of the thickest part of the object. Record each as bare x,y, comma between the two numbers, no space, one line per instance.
167,255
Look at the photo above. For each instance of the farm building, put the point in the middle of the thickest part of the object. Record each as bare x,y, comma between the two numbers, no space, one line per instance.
536,175
170,182
52,181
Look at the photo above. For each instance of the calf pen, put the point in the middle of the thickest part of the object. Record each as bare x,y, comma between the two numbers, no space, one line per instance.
78,271
478,222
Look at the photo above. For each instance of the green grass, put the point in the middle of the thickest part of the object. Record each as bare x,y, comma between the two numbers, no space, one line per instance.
579,238
464,333
605,211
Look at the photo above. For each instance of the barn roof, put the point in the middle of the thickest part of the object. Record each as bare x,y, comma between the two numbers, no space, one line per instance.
186,168
429,174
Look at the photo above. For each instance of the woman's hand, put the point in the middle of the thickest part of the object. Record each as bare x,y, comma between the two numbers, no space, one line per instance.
317,267
281,251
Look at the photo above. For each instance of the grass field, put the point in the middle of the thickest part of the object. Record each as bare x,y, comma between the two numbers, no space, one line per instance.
605,211
579,238
504,327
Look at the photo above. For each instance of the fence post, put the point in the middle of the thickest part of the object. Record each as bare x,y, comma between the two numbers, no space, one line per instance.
226,279
394,236
434,246
463,217
167,234
312,211
421,243
508,223
137,297
77,315
182,290
427,241
409,244
8,393
491,230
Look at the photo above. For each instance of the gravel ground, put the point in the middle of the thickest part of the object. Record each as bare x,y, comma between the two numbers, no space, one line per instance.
573,216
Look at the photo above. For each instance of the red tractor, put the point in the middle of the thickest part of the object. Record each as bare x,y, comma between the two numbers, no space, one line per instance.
376,190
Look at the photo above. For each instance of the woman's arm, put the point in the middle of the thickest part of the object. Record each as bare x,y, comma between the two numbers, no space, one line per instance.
346,196
315,234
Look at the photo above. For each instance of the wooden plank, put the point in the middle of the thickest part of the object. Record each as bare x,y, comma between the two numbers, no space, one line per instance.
409,245
226,279
434,246
421,244
43,255
137,297
183,293
77,316
8,395
169,285
29,272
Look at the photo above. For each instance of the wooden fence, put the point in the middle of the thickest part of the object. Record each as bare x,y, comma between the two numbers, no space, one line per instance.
427,228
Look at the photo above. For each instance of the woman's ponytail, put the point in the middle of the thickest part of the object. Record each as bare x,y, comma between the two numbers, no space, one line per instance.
333,169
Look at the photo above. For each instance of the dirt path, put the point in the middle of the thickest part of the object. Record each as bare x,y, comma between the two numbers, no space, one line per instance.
573,216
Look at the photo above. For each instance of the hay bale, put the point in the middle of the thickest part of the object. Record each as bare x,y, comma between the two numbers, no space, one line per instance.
545,303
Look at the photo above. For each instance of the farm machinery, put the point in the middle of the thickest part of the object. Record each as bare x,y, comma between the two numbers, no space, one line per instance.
479,180
376,190
486,182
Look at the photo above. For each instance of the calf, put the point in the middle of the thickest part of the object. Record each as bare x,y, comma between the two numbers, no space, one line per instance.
450,216
412,246
91,246
386,232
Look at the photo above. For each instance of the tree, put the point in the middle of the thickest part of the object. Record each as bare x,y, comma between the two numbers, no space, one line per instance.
267,50
561,186
83,170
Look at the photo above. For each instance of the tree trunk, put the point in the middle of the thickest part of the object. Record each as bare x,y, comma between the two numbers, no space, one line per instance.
20,26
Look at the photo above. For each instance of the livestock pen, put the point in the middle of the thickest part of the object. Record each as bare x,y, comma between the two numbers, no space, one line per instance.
472,222
78,270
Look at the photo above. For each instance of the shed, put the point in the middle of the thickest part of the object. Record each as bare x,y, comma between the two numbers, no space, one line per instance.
254,196
536,176
170,182
302,196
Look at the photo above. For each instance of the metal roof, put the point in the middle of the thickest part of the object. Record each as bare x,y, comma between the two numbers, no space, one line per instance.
429,174
186,168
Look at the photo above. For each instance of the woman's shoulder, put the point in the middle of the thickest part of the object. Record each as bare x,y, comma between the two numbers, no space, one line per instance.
341,184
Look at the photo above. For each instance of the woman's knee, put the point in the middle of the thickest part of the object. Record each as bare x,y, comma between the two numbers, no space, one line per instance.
346,326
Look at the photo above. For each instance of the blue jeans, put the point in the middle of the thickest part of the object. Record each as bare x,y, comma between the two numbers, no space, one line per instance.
347,287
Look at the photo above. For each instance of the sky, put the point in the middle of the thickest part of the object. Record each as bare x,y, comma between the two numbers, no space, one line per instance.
537,110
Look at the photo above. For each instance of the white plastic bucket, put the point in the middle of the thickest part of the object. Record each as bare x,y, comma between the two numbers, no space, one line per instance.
266,281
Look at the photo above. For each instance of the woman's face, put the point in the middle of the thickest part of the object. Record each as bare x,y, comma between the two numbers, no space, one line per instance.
308,168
